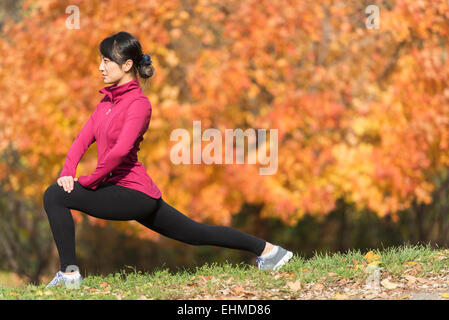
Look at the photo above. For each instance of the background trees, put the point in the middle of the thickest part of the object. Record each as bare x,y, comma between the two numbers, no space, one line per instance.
362,113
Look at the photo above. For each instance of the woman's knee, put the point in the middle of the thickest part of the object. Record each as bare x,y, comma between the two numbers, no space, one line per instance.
52,193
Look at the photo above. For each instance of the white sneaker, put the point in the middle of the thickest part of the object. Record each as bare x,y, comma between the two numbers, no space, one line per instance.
72,281
274,259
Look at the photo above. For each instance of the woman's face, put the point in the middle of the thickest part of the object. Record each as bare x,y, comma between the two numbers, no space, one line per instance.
113,72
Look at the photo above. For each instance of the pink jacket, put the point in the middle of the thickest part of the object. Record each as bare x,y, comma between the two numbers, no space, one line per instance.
117,124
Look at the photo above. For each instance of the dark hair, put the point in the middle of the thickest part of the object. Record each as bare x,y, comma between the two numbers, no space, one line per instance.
123,46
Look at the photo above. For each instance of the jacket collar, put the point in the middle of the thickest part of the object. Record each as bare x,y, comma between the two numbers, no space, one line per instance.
116,93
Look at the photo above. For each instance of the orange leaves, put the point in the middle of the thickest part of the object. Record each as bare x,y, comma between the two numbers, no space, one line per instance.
359,114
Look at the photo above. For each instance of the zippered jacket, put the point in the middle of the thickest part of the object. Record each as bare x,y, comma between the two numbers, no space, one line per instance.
117,124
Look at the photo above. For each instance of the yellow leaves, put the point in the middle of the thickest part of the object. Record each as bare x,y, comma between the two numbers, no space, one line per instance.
45,292
184,15
253,91
445,295
371,257
171,58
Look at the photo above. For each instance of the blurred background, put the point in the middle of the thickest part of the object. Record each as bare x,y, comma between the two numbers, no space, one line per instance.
356,89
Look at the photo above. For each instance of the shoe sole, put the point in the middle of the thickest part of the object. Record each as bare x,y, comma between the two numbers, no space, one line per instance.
284,260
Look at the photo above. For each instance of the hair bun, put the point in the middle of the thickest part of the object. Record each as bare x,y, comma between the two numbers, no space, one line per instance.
146,59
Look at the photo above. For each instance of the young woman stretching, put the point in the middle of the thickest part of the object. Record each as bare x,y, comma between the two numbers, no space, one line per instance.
120,188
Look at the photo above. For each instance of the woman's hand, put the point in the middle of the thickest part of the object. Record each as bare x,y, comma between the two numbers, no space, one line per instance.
67,183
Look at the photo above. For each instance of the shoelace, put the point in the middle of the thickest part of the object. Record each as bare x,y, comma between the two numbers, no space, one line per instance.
259,262
56,279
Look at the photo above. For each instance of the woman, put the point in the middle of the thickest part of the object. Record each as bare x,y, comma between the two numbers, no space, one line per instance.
119,188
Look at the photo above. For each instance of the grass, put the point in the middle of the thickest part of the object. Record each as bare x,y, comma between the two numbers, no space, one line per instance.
243,281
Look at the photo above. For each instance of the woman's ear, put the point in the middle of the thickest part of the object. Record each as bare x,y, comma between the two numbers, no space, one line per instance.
127,65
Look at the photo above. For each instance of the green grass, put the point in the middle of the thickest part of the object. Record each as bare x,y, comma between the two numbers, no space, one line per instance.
212,281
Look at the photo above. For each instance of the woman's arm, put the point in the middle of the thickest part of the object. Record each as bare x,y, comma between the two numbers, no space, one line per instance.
135,124
82,142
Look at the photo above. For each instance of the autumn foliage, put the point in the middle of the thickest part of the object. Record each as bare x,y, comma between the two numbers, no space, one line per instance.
362,113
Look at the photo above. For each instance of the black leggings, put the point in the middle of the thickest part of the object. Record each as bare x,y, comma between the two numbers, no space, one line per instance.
114,202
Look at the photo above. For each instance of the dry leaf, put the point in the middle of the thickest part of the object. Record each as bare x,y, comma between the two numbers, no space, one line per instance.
440,256
422,280
318,287
445,295
204,278
340,296
104,284
389,285
238,290
332,274
411,279
371,256
294,286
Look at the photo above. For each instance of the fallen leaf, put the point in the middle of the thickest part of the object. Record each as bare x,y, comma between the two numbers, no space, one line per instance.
238,290
370,296
411,279
294,286
445,295
375,263
441,256
340,296
370,256
104,284
422,280
332,274
389,285
204,278
318,287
